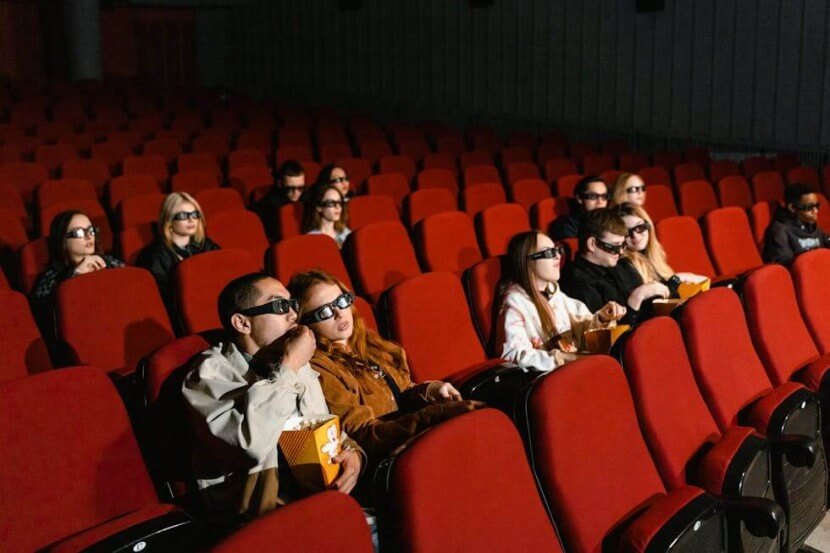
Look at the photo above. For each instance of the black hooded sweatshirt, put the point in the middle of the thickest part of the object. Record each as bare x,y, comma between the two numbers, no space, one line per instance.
786,237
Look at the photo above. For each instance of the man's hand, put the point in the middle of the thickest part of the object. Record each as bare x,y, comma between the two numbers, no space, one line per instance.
90,263
349,471
444,392
611,311
293,349
645,291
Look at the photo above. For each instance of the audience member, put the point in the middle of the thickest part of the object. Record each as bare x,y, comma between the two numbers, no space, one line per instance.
600,273
646,253
334,175
794,229
240,393
181,234
74,250
326,212
628,188
365,378
289,187
540,327
590,193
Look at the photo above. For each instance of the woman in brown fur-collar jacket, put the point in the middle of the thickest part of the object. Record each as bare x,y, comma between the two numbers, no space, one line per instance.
365,378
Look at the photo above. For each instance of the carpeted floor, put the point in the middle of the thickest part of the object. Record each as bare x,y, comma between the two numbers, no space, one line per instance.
820,538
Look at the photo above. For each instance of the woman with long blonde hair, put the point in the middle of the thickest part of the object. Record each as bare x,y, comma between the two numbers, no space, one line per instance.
645,251
365,378
628,188
181,234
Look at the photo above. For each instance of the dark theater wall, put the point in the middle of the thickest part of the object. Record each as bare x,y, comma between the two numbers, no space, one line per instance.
727,72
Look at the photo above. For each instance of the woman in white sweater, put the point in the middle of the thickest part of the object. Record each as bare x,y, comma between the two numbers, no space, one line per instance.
540,327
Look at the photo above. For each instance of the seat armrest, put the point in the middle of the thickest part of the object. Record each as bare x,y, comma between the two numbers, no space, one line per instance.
801,451
763,517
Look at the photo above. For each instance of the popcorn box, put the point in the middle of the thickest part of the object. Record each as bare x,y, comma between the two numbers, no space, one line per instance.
665,307
600,340
688,289
309,444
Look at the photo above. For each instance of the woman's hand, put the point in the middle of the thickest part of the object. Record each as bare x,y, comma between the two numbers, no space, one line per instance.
611,311
444,392
90,263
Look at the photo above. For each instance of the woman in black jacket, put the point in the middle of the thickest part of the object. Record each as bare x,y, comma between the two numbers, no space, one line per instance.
181,234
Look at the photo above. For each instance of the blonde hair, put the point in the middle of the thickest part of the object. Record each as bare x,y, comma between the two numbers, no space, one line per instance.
168,209
651,263
616,191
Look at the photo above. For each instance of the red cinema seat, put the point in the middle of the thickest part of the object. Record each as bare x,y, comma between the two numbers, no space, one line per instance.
527,192
686,172
240,229
397,164
804,175
655,175
566,185
581,423
660,203
139,209
754,165
153,165
666,159
448,468
632,162
305,252
12,238
289,220
522,170
596,164
198,162
33,258
127,186
734,190
686,444
437,178
246,158
296,526
194,182
778,331
25,176
683,242
517,154
56,191
200,279
697,198
447,242
24,351
134,312
481,283
558,168
130,241
760,217
730,241
106,496
379,256
218,200
394,185
543,213
719,170
420,204
475,158
480,174
440,160
96,171
478,197
497,224
809,272
365,210
738,390
768,186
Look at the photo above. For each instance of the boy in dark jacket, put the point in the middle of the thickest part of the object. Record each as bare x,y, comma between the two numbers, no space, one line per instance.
794,230
590,193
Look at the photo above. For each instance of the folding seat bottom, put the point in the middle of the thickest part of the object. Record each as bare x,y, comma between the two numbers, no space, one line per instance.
687,519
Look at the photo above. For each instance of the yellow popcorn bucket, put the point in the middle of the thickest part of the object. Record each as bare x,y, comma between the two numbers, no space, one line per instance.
600,340
309,444
688,289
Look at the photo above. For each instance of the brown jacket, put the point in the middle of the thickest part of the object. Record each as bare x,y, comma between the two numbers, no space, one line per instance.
367,408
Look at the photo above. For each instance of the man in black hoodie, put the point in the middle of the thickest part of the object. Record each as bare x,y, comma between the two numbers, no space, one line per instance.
794,229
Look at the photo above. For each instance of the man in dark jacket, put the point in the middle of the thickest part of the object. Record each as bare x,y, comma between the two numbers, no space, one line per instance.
794,230
590,193
599,275
288,188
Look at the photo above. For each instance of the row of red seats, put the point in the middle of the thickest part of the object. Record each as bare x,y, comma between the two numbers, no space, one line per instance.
591,398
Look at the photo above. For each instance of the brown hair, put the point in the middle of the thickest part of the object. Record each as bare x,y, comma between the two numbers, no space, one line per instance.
311,217
598,221
365,344
518,272
168,207
652,265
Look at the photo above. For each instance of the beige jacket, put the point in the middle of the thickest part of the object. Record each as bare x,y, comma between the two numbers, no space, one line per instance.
236,417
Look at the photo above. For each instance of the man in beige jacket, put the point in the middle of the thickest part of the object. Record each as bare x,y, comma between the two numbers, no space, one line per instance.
240,393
